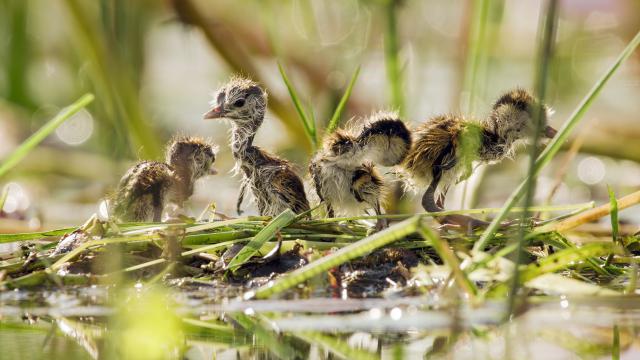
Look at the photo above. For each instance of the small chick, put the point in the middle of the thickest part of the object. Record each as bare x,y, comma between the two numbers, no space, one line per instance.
344,173
272,181
447,145
149,186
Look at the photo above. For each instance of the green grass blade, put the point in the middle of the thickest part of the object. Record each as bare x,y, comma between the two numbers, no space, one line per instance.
309,128
554,146
555,262
335,119
547,33
355,250
3,198
391,50
615,349
613,205
447,255
18,154
285,218
477,52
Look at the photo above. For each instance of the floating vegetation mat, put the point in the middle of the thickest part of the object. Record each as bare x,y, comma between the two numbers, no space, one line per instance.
295,287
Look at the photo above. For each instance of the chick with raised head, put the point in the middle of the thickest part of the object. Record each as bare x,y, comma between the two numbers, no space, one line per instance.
271,180
146,188
344,173
446,147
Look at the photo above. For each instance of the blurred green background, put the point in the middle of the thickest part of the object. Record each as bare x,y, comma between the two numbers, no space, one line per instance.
154,64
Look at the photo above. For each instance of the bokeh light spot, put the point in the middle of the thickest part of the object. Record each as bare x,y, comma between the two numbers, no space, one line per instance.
591,170
76,130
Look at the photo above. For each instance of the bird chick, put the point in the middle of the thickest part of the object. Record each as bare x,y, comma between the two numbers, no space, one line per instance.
271,180
146,188
343,171
446,147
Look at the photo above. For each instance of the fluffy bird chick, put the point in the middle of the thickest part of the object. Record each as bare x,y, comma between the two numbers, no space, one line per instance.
446,146
271,180
344,173
149,186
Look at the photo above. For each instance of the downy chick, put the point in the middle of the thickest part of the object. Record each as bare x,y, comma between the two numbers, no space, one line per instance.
272,181
344,173
149,186
446,146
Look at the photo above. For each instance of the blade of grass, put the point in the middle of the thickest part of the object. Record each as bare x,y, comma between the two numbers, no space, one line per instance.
18,154
335,119
3,198
555,262
615,349
476,52
309,126
589,215
545,53
482,211
355,250
285,218
554,146
392,63
447,255
613,205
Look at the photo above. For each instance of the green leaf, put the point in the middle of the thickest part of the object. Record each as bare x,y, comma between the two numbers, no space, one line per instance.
3,198
19,153
615,350
309,124
355,250
285,218
391,61
335,119
557,261
556,143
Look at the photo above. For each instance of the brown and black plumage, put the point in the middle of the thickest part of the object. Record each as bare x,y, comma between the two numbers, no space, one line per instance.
146,188
271,180
343,171
446,146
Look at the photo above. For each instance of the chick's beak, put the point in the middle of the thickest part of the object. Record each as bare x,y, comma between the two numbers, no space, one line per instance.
550,132
214,113
213,171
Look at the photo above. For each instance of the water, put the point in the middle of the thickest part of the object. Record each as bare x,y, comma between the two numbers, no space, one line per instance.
85,323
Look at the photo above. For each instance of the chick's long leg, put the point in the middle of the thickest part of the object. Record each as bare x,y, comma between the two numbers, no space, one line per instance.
243,189
380,223
429,204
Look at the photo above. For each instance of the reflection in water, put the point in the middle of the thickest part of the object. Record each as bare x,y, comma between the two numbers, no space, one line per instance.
150,324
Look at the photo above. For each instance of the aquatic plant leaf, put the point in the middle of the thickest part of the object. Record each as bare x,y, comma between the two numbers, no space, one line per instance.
557,261
36,138
3,197
355,250
309,124
285,218
335,119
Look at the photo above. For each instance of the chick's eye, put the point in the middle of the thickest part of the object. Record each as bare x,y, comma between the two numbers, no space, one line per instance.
239,103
